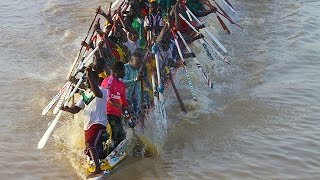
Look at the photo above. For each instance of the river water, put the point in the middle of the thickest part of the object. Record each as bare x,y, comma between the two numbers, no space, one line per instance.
261,120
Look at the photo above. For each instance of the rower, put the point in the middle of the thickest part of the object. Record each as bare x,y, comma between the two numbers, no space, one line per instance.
133,41
131,79
95,122
116,103
153,23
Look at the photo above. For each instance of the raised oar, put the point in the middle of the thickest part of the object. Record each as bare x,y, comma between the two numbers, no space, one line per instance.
224,26
114,25
77,57
204,42
204,74
113,6
81,65
48,132
93,38
109,10
185,68
230,20
189,14
56,97
207,31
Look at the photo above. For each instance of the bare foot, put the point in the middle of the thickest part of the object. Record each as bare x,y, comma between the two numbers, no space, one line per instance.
95,174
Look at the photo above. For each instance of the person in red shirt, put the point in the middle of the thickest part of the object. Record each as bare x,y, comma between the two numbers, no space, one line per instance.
116,102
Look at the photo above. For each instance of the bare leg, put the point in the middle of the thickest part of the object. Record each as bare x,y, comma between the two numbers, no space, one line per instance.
94,155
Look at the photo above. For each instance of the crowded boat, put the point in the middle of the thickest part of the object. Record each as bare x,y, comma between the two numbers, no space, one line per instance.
129,57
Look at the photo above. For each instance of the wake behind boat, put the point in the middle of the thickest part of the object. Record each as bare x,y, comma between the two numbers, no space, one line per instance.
122,73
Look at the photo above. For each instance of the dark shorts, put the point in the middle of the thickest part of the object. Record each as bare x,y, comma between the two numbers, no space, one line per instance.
118,133
93,134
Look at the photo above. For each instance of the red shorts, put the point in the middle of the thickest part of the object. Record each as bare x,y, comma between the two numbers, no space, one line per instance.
93,134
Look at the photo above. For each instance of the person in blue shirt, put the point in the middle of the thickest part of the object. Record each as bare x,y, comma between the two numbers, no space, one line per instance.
132,80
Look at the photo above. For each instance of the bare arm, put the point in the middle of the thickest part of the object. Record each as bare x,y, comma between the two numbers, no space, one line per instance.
73,109
164,30
93,84
107,16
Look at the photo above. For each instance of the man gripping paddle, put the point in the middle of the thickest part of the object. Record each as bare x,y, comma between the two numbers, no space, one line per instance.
95,121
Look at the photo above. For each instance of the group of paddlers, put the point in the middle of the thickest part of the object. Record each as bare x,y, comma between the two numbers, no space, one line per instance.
134,53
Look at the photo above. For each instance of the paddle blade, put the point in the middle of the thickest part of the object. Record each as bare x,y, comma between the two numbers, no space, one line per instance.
216,41
48,132
113,4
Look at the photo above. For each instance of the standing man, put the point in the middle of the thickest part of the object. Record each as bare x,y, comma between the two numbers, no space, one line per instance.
153,22
95,121
132,78
116,101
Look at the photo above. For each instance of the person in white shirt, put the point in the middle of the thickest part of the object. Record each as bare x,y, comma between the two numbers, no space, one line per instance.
133,41
93,103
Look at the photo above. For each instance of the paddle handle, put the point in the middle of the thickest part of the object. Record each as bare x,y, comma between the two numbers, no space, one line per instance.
193,93
183,108
55,98
207,31
77,57
204,74
226,2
